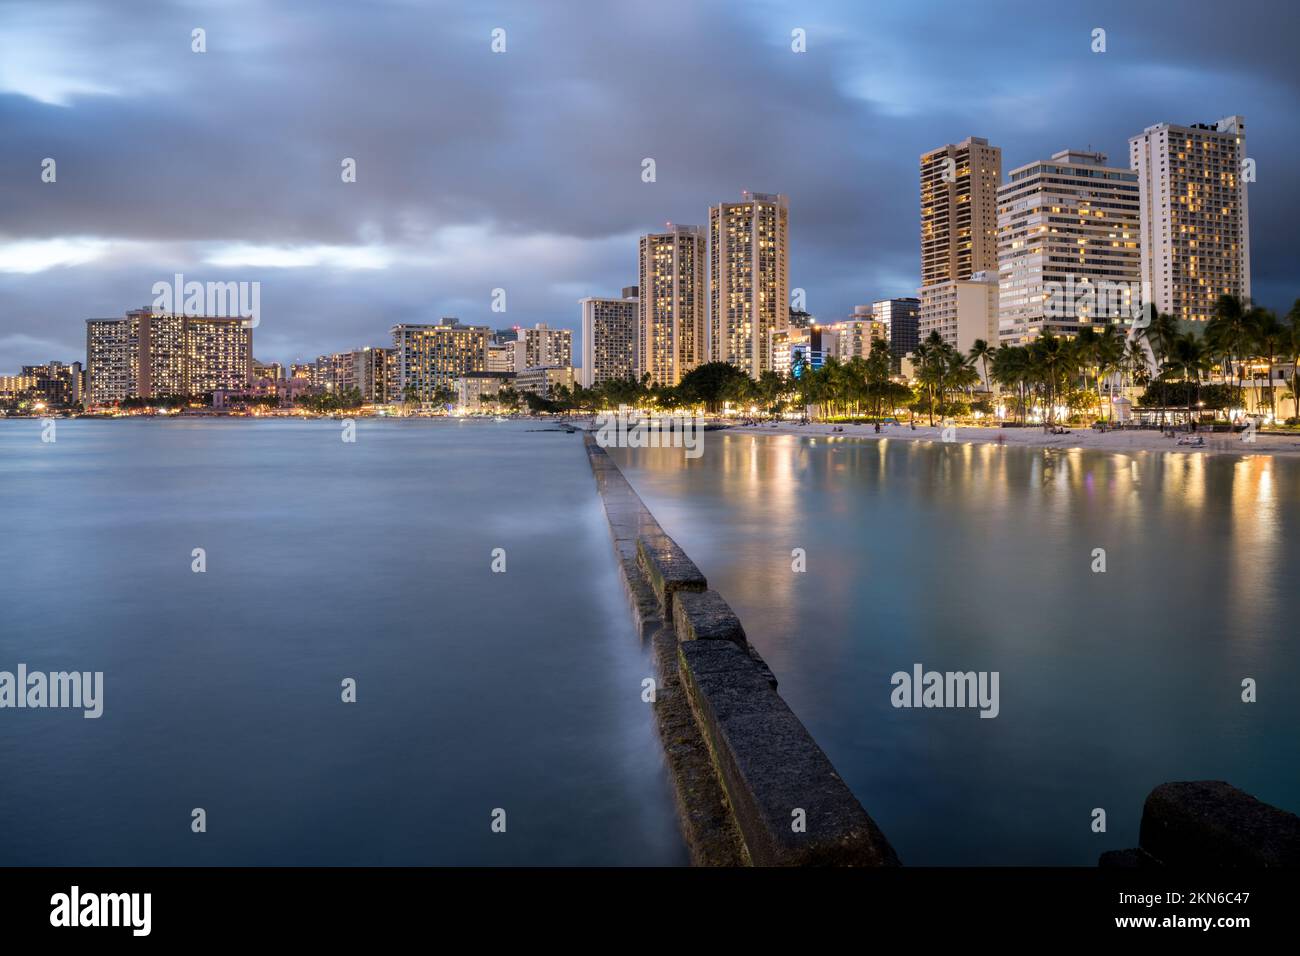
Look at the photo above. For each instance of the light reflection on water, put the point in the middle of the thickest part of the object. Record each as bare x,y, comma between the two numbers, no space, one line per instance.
972,556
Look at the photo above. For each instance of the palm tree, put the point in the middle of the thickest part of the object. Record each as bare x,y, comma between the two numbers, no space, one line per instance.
1186,359
1108,354
1229,332
982,352
1266,337
1292,343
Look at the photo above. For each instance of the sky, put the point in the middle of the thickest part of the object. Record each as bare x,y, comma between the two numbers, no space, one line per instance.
522,170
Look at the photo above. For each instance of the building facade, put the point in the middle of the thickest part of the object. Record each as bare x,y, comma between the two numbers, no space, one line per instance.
961,311
671,329
150,354
959,223
854,335
1194,216
796,350
543,380
609,339
542,345
749,270
1068,247
427,358
477,391
901,318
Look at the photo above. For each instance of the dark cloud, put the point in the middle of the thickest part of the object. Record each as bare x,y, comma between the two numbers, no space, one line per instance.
522,170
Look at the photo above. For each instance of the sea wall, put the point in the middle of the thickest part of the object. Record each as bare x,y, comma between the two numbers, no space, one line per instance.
752,786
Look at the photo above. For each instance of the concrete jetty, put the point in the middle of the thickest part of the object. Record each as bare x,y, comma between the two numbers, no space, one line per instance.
752,786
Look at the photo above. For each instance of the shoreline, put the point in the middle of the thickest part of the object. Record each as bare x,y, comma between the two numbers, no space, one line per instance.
1082,439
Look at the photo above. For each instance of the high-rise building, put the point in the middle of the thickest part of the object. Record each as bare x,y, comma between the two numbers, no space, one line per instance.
961,311
1068,252
542,345
959,222
900,318
609,339
150,354
501,356
271,371
671,324
1194,222
112,359
432,357
57,384
854,335
371,370
749,269
797,350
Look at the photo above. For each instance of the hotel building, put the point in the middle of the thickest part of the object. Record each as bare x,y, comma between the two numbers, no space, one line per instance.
542,345
854,335
372,372
543,380
961,311
429,357
501,356
149,354
1194,222
1068,250
959,223
609,339
749,269
901,318
475,391
671,309
57,384
794,350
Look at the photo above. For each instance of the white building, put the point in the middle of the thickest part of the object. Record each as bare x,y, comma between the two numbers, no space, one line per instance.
1068,249
609,339
1195,219
961,311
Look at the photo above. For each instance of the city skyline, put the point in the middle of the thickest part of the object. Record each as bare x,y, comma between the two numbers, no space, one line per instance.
470,200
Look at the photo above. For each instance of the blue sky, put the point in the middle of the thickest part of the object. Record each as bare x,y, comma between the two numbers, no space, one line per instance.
522,170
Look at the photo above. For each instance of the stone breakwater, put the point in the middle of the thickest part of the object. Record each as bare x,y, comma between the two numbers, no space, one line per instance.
752,786
1208,824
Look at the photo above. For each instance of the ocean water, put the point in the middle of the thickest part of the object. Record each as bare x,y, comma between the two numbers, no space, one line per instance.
475,691
964,557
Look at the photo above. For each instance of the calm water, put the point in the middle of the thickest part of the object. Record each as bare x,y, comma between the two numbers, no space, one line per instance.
974,557
324,560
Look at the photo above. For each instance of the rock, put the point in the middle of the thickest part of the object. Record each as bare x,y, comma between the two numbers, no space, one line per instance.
1212,823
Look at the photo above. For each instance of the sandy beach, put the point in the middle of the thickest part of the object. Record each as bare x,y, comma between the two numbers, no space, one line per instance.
1084,438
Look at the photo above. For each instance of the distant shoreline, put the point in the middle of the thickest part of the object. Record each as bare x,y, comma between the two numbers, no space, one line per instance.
1083,439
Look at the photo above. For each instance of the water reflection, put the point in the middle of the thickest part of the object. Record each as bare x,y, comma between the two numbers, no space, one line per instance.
965,556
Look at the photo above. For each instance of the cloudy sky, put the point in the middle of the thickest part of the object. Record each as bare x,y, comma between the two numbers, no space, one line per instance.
522,170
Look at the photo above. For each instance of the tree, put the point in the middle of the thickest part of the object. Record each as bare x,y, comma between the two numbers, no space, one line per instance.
1291,341
708,385
1186,360
982,352
1267,337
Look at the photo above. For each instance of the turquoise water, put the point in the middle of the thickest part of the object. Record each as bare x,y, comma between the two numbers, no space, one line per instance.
325,560
976,557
